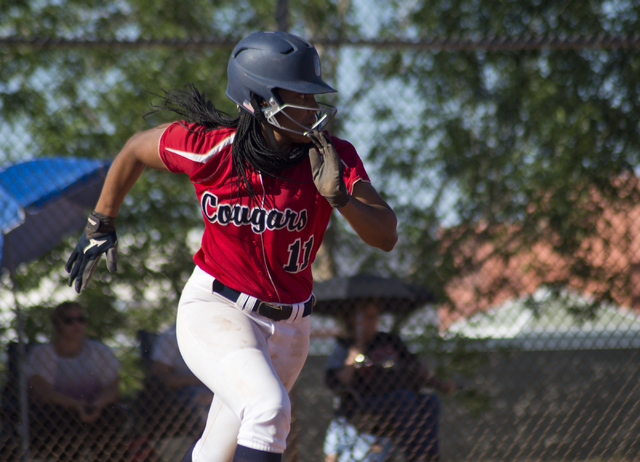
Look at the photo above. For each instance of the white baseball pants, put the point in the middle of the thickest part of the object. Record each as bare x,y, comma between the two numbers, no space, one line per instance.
248,361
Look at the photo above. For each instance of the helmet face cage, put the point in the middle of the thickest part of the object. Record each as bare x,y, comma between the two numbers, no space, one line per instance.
324,114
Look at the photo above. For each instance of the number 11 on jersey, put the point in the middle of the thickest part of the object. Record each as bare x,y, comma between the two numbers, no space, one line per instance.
293,265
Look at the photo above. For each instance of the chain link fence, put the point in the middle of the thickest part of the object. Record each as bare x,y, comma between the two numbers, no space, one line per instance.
528,358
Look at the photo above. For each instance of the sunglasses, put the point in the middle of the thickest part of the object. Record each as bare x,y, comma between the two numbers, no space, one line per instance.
68,320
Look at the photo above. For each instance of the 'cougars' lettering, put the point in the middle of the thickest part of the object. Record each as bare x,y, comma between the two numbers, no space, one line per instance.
259,218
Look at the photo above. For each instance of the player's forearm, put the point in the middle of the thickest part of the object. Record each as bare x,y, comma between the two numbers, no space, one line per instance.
375,224
139,152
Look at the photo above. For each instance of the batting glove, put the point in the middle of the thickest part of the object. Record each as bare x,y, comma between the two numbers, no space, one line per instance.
327,169
99,237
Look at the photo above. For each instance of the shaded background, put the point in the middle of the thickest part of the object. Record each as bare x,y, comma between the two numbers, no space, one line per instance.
504,134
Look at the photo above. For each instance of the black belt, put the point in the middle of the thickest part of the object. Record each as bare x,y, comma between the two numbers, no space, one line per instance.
266,309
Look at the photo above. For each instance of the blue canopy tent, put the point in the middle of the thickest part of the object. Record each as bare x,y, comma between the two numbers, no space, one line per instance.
41,202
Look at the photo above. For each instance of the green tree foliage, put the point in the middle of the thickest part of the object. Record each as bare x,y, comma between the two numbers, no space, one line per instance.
87,102
536,141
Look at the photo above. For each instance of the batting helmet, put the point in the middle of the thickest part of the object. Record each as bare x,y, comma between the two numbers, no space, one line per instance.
264,61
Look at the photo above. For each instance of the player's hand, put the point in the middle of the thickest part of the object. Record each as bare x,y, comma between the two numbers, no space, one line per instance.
99,237
327,168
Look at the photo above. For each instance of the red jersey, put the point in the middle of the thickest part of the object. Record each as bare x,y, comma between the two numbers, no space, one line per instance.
263,247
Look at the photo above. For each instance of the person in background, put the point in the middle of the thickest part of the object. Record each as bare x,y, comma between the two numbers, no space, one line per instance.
168,366
377,377
73,382
267,179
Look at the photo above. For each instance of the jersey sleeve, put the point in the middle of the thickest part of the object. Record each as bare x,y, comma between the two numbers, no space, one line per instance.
185,148
354,170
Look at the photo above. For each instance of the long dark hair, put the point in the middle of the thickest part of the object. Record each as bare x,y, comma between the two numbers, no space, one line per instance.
250,152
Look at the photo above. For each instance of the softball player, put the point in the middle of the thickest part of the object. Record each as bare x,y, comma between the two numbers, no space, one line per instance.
267,182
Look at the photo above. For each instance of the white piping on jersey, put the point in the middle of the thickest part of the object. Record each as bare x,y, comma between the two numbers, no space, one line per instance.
357,181
204,158
264,251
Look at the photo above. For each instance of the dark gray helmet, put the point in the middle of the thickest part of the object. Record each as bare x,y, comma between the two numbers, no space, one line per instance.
264,61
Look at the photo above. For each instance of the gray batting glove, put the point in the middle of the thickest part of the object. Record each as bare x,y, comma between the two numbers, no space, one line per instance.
327,168
99,237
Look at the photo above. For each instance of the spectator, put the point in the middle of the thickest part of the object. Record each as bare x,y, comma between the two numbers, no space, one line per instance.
168,366
73,381
380,384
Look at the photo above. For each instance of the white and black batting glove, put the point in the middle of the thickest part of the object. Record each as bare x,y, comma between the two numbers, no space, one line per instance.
327,169
99,237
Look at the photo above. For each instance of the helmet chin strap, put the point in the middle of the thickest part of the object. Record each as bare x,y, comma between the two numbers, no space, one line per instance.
264,122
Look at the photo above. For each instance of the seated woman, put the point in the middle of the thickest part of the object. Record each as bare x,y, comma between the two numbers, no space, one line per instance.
73,383
379,382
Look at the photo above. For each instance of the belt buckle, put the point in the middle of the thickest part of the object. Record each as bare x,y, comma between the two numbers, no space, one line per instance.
279,309
284,311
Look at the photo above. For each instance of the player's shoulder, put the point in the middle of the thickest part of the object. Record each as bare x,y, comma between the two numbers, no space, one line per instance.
195,136
340,144
345,149
187,147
